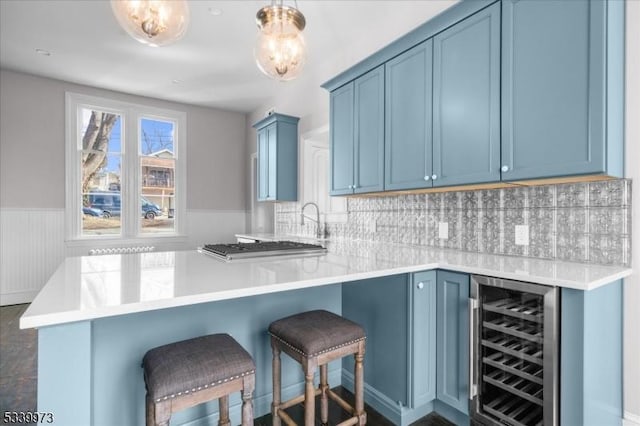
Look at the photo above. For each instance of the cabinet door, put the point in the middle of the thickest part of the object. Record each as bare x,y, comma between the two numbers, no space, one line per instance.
552,88
466,101
408,139
380,306
369,131
263,165
453,340
341,140
272,167
423,340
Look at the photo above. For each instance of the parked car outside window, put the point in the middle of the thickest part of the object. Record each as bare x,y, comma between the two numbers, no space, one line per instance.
92,212
109,203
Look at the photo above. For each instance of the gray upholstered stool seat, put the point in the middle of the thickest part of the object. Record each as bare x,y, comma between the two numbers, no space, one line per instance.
183,374
314,339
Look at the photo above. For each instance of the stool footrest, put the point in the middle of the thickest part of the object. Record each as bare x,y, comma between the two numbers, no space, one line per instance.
293,401
285,418
351,421
341,402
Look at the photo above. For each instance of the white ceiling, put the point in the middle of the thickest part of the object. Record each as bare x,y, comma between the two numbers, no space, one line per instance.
213,62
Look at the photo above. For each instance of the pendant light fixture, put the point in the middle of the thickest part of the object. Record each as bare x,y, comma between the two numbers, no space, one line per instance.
280,49
153,22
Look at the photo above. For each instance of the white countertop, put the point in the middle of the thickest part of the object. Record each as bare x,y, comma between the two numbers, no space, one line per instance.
92,287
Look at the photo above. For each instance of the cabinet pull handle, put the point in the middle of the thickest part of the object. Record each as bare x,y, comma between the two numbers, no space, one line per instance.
473,387
434,177
427,178
420,285
504,169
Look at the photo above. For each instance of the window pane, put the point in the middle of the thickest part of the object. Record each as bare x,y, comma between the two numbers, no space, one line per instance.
101,172
157,174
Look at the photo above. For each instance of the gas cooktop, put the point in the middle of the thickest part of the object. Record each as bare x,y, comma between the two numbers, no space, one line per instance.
260,249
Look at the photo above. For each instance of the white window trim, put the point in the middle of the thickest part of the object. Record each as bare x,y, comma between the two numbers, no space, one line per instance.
130,113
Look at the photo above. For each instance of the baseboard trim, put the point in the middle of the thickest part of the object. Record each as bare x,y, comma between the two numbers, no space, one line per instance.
385,406
17,298
630,419
261,404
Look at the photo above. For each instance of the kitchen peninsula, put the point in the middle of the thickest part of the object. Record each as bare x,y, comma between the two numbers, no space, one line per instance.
98,315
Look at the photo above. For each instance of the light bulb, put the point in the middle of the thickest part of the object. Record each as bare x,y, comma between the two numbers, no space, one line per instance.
152,22
280,49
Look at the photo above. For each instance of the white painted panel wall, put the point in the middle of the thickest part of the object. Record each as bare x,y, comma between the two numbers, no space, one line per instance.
32,245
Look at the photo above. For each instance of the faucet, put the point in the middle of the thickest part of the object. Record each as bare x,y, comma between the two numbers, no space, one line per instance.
316,220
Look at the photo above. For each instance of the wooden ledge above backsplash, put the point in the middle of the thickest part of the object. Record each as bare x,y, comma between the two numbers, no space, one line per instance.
490,185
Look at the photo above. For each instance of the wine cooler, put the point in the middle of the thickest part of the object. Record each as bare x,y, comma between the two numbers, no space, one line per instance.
514,352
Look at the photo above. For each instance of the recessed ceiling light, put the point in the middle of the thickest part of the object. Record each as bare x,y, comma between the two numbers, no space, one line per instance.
215,11
43,52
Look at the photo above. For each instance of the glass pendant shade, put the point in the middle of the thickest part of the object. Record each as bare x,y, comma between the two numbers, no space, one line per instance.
153,22
280,50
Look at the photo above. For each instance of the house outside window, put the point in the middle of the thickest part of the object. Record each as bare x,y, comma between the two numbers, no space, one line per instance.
125,170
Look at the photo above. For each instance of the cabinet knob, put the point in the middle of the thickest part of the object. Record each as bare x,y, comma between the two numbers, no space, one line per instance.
427,178
505,169
434,177
420,285
350,186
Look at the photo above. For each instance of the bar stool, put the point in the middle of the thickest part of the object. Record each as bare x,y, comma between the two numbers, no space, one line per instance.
313,339
187,373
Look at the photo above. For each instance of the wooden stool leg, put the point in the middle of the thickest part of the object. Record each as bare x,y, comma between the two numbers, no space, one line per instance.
248,385
276,384
359,385
324,397
223,404
309,368
161,414
151,411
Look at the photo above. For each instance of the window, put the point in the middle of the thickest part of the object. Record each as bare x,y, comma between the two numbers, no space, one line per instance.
126,170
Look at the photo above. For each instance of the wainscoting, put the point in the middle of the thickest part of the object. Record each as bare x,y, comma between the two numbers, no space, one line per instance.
32,244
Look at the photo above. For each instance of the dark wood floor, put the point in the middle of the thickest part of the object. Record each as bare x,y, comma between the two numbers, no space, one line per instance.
18,350
18,378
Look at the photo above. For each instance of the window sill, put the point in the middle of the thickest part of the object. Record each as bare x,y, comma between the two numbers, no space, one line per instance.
116,241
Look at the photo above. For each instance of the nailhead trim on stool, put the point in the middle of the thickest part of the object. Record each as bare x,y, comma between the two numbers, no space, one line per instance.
314,339
187,373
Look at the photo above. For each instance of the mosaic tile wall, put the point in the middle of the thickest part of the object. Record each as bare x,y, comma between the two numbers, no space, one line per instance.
583,222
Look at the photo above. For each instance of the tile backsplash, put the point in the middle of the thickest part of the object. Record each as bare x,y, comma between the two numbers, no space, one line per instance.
582,222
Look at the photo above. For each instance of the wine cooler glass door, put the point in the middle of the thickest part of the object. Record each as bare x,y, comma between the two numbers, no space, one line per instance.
512,352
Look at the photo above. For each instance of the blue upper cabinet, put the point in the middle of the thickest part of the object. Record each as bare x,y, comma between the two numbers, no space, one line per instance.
487,91
277,158
408,138
369,132
554,89
466,101
453,340
341,140
357,135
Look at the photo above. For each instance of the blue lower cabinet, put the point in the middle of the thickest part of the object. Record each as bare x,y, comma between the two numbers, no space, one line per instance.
380,306
452,345
399,317
591,345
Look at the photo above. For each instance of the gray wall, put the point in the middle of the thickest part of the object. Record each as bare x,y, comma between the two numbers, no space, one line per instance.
32,180
32,150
